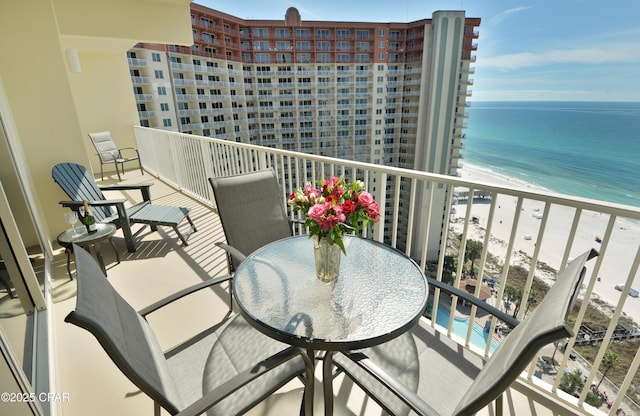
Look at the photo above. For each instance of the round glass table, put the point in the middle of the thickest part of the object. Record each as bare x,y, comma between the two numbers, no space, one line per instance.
379,294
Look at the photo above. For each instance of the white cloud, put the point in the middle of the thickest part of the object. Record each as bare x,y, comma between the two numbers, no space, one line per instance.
505,14
615,53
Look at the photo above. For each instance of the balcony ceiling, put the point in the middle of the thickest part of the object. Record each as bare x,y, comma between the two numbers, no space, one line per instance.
118,25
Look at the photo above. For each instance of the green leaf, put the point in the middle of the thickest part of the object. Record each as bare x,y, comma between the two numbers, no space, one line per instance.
341,245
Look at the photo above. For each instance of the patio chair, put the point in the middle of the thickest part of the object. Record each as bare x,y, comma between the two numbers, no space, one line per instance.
79,185
251,211
108,152
225,370
433,375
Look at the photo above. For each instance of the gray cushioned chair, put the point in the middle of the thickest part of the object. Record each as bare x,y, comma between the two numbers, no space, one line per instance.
80,186
108,152
222,371
251,211
427,373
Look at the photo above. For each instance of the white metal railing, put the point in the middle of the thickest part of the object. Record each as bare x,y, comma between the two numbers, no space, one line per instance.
415,200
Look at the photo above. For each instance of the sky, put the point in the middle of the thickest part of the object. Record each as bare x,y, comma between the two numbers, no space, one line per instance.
570,50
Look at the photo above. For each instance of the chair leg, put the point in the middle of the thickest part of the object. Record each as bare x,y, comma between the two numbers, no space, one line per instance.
115,163
126,228
185,237
182,237
128,238
68,250
193,226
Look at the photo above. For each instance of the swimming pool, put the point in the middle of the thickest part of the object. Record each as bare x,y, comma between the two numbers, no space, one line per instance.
460,327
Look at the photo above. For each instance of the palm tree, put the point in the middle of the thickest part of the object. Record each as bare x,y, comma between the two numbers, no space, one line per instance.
609,361
513,295
473,251
533,299
448,269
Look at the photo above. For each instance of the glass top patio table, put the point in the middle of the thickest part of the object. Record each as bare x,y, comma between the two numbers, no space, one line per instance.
379,294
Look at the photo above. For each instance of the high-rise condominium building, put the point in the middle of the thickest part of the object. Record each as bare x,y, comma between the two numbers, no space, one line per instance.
386,93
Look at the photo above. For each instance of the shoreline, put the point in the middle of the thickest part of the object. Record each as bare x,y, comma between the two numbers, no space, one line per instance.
620,252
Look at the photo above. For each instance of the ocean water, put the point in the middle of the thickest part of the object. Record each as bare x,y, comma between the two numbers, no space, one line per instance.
587,149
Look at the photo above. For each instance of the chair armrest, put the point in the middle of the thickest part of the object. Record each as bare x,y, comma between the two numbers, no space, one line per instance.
232,385
234,252
182,293
106,202
506,318
143,187
410,398
129,148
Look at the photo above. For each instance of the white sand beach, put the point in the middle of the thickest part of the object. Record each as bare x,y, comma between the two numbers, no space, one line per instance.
617,261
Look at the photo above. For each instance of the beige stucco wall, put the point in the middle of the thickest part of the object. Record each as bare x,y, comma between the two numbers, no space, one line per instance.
104,100
53,109
35,80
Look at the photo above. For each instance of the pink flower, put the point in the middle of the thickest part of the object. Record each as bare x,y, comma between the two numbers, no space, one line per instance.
316,212
310,190
373,211
337,210
365,199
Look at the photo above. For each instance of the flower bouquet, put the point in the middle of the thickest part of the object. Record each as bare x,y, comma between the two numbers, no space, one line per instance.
336,208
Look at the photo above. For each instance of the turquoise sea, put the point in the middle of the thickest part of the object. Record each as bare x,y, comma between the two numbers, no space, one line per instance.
587,149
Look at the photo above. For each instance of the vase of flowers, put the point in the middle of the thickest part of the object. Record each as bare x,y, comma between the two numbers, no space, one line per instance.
327,257
330,211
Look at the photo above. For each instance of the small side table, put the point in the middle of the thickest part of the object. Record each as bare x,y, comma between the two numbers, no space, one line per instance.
105,231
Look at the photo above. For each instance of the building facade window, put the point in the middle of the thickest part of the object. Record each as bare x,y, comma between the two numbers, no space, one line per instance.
304,45
263,58
260,33
323,46
303,33
261,45
283,33
323,33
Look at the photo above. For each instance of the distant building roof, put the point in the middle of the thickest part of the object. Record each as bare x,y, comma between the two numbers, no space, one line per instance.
470,286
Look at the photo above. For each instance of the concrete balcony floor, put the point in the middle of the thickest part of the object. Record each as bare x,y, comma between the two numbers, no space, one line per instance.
159,267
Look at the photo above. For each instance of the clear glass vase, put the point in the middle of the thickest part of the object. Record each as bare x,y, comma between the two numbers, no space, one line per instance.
327,258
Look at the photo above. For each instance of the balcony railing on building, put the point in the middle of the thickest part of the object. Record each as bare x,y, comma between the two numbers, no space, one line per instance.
419,206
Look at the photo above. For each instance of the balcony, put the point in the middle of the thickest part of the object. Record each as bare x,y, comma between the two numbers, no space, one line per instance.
184,161
66,360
